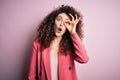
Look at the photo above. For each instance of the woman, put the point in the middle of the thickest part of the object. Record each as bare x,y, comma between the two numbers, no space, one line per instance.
57,45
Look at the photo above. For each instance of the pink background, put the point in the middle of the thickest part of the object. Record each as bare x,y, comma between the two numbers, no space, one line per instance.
18,24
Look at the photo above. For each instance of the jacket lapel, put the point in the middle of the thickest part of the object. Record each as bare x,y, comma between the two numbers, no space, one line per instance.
46,57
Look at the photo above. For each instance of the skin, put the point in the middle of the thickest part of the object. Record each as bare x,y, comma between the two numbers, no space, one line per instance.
63,23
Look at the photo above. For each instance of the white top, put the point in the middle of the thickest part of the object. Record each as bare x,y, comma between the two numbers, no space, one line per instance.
54,66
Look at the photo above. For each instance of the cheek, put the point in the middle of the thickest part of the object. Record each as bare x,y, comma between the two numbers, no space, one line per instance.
56,23
64,29
55,26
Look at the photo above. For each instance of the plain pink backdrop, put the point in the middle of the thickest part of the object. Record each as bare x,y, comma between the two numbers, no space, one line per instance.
18,24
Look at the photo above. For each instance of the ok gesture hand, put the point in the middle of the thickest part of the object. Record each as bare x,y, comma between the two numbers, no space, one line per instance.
71,24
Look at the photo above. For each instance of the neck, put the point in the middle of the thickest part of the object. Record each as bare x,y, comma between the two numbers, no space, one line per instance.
56,41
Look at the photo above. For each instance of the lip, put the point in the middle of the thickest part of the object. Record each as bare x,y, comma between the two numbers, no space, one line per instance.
59,30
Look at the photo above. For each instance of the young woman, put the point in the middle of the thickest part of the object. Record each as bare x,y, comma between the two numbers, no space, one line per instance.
57,45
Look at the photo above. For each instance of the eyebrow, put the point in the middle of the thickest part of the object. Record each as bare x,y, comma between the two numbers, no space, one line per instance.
61,17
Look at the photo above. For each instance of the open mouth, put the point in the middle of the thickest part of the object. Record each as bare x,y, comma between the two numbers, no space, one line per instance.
59,29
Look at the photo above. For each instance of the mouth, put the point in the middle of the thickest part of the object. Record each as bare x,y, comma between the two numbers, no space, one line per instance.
59,29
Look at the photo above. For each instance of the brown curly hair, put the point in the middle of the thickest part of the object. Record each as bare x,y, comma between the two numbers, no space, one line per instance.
45,31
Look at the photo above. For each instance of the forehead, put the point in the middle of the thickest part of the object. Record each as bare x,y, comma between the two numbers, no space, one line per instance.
63,15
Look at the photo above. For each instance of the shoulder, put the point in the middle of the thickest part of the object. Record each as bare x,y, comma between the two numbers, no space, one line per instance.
36,43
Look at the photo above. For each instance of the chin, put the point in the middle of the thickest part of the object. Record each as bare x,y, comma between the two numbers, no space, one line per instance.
58,35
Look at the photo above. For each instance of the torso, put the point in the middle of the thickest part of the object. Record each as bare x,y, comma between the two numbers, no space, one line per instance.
54,57
54,62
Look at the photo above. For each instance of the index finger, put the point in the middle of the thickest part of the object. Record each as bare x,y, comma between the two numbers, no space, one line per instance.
71,16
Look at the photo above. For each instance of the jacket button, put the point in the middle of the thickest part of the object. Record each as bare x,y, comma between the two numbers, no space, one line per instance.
69,68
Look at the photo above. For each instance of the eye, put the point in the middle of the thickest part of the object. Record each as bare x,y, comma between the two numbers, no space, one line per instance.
67,22
58,19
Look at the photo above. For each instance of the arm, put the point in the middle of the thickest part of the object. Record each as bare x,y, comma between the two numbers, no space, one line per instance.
32,70
80,51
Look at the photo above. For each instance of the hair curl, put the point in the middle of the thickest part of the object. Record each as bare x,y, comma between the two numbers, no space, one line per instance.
45,31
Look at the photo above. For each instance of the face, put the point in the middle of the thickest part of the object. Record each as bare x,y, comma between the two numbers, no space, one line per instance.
59,27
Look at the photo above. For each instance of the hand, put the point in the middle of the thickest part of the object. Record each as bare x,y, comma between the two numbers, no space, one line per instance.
71,25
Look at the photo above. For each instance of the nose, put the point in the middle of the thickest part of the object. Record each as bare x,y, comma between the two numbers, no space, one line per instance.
61,24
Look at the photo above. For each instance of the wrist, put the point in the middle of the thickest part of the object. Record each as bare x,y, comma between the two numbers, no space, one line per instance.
72,32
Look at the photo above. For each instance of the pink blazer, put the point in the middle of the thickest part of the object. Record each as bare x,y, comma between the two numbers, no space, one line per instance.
66,65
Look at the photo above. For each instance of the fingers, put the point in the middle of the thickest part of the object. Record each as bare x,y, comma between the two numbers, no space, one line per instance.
76,19
72,22
72,17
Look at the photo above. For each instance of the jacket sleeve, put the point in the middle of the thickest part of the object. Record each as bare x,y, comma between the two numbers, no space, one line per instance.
80,54
32,70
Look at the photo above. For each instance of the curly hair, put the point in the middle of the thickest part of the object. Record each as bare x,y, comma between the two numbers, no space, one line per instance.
45,31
